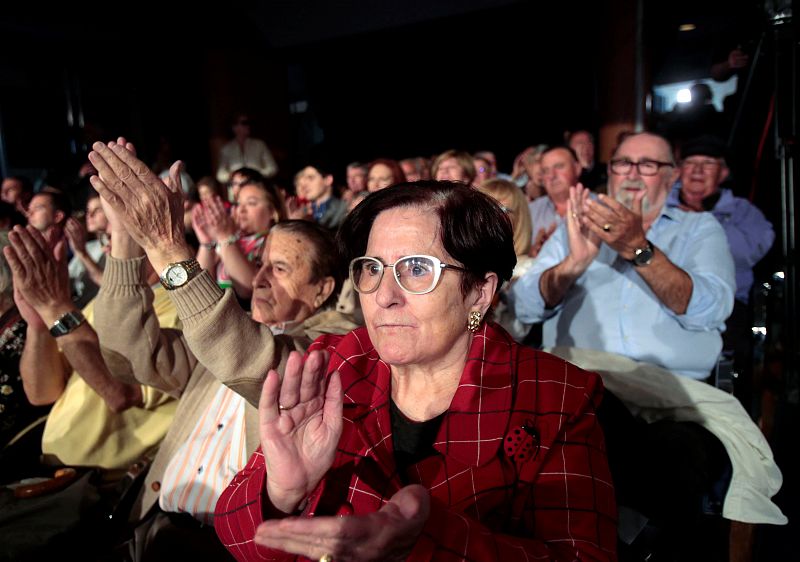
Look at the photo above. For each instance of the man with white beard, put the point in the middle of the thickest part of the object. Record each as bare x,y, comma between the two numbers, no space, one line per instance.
629,275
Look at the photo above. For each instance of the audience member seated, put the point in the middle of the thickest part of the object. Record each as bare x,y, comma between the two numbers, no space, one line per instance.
483,170
750,236
453,165
383,172
430,429
238,179
244,152
18,191
356,181
16,412
415,169
315,182
515,206
47,213
530,177
218,365
490,157
630,275
664,275
96,420
593,173
560,171
230,244
86,266
208,188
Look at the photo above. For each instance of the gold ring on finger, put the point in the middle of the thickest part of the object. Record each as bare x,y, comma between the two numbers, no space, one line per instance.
606,227
326,558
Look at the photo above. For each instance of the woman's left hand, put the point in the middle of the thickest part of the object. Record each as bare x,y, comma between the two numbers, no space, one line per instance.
386,535
300,426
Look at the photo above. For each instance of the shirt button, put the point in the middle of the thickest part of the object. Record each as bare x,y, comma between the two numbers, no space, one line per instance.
200,470
220,426
155,486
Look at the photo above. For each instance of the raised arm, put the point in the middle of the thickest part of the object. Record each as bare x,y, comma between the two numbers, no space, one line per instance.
42,281
43,369
670,284
238,351
76,234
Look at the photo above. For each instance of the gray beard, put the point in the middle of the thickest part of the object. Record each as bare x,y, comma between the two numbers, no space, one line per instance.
626,197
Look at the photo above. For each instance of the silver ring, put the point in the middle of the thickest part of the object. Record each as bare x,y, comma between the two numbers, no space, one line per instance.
606,227
281,407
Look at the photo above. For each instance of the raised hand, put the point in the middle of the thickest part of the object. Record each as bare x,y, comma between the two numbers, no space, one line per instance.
219,223
296,209
616,225
76,235
300,425
584,244
39,272
542,236
150,211
389,534
200,225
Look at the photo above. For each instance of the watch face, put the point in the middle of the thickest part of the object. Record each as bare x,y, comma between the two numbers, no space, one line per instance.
176,276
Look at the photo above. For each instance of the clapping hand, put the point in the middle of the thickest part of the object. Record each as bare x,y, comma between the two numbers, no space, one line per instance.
584,244
150,211
40,275
388,535
218,221
300,425
616,225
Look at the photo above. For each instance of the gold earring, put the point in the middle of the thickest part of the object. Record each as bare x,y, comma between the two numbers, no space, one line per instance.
474,321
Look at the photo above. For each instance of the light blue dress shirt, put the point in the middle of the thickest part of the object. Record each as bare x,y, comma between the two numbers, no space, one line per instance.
611,308
543,215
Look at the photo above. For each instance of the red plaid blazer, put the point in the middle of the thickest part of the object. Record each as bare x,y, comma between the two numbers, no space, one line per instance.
521,472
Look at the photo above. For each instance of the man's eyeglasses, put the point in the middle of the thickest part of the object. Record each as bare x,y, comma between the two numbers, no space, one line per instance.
705,165
623,166
417,275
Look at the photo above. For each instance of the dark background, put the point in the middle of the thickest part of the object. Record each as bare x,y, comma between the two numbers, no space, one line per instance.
377,78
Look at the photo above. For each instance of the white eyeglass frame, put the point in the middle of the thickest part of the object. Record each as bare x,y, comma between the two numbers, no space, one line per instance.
438,267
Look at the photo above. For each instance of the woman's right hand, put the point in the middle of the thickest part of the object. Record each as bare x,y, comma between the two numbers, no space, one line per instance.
219,222
200,225
300,426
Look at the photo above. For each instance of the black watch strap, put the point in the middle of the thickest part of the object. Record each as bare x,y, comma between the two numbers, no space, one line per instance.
67,323
643,256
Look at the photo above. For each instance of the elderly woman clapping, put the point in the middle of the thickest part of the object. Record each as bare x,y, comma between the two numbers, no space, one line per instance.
429,433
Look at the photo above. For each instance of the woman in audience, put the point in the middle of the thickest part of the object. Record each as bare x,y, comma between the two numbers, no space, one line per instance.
514,204
528,171
483,169
453,165
230,243
429,432
382,173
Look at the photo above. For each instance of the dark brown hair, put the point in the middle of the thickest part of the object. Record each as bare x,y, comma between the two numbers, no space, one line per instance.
473,228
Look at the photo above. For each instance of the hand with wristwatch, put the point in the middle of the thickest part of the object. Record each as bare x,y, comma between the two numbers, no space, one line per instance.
150,210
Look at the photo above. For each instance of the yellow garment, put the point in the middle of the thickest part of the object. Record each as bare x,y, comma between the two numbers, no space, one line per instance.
82,431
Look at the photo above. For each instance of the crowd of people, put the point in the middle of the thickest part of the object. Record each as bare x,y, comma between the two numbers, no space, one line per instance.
537,365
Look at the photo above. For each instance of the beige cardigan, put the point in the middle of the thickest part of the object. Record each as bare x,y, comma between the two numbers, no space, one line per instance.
219,344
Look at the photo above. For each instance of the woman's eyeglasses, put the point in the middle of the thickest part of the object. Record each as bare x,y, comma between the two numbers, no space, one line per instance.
414,274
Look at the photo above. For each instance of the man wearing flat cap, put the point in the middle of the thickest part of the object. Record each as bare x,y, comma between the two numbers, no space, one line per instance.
750,235
703,170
